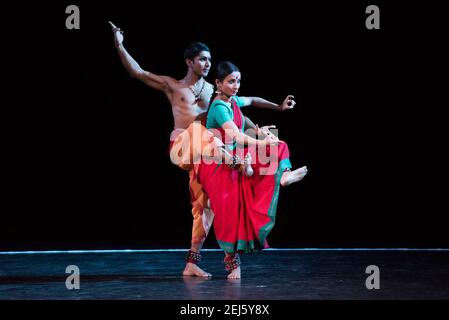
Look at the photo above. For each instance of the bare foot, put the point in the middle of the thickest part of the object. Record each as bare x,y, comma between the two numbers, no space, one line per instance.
289,177
235,274
192,269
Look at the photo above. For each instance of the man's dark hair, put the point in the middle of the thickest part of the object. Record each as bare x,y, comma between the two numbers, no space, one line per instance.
225,68
194,49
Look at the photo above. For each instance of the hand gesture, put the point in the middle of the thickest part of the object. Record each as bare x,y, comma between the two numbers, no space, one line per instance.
271,140
266,129
118,34
288,103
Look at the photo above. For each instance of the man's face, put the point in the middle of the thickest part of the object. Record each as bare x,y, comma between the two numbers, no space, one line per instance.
201,64
231,84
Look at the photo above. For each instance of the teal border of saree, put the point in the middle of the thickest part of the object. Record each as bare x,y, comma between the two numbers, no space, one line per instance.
250,246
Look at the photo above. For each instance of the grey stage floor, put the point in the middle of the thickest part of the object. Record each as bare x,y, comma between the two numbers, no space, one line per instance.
268,275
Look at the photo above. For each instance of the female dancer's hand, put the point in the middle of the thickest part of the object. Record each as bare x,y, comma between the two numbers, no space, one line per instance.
270,140
265,130
288,103
118,35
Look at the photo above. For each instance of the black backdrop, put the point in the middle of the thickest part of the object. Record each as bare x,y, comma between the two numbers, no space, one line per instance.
86,146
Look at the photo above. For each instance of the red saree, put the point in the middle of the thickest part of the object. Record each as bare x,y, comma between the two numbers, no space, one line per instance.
244,207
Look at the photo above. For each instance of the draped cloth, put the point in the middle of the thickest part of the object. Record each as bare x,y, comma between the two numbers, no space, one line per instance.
244,207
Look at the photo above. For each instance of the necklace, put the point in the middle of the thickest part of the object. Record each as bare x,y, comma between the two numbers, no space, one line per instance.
197,95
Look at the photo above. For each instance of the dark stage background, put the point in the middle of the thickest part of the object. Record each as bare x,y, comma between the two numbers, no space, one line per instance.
86,146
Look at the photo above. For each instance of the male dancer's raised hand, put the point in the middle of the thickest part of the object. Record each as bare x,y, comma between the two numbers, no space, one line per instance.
118,34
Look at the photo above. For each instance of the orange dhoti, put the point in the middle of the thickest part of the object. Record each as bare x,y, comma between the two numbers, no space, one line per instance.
188,147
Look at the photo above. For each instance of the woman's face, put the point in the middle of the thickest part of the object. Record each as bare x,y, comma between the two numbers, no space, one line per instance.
231,84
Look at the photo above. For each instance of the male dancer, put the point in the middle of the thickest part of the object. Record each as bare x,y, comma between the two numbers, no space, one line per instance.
189,99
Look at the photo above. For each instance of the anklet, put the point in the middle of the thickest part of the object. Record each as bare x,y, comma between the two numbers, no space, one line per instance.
193,257
236,160
232,262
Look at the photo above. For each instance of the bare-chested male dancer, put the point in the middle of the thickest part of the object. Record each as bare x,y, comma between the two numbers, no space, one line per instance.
189,99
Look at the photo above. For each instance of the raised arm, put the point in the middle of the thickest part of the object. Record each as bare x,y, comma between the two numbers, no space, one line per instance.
288,103
133,68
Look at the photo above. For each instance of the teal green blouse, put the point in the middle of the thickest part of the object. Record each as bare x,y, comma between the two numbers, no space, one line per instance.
220,112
